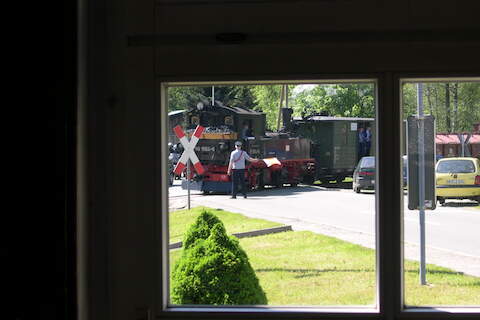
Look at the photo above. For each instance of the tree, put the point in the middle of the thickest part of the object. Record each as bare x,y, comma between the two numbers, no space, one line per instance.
342,100
214,269
267,100
187,97
437,102
448,123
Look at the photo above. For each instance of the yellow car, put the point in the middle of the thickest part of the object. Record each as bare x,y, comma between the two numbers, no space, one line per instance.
458,178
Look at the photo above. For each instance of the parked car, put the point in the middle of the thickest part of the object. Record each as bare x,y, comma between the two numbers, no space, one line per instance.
457,178
364,175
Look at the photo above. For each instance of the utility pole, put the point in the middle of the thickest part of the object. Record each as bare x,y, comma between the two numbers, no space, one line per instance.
282,94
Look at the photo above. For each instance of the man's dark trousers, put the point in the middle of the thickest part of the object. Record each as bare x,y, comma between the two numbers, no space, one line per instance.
367,148
238,179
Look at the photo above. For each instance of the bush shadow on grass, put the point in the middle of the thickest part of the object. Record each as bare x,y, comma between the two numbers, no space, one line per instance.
456,273
305,273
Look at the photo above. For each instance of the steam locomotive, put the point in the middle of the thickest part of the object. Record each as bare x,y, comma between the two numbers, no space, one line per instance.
288,160
306,149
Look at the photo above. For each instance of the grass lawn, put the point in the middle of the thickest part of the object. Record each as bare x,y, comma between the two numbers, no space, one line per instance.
234,222
304,268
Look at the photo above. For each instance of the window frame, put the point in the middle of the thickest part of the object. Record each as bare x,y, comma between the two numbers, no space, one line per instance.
432,312
389,215
167,311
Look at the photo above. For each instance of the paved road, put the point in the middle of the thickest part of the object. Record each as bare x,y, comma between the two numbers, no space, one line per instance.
451,231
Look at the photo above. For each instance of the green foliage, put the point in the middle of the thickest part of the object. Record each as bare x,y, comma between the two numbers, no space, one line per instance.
267,100
342,100
214,269
179,222
186,97
457,114
456,111
201,229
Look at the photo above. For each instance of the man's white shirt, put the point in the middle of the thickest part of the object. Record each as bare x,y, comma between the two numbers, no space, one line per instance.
237,159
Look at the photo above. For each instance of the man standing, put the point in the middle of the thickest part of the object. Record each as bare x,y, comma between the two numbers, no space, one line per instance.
367,141
361,143
237,167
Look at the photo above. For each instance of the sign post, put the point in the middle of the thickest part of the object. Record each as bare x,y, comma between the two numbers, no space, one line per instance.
188,154
421,169
421,184
188,184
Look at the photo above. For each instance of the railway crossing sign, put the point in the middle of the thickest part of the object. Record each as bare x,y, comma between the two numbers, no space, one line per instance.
414,153
189,150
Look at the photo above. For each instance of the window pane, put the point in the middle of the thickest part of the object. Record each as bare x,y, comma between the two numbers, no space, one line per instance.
303,227
442,247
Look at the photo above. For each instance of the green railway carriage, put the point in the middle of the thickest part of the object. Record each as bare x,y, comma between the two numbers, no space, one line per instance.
335,145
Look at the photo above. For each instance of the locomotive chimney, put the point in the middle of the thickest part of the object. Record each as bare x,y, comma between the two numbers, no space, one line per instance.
286,118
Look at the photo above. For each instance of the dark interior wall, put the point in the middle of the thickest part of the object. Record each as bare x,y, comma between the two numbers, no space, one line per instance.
131,46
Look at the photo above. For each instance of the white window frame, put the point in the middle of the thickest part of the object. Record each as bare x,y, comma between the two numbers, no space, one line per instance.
164,217
389,219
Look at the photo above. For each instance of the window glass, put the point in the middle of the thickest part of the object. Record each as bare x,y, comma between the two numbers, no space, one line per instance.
441,243
300,229
456,166
368,162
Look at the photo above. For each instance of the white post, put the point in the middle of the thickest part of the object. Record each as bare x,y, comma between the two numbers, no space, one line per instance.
188,184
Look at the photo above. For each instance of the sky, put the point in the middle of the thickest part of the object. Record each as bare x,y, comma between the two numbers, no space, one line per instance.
303,87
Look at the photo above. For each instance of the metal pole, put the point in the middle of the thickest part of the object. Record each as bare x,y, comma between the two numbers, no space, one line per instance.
282,92
462,141
188,184
286,96
213,95
421,180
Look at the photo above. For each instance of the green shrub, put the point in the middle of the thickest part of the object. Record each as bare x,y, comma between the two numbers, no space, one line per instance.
214,269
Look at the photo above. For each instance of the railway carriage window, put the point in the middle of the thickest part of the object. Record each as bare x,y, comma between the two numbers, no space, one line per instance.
305,233
441,243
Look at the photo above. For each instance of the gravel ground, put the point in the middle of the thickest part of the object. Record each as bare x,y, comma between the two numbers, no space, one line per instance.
459,262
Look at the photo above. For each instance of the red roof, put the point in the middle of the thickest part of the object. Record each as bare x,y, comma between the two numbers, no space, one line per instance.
443,138
475,138
447,139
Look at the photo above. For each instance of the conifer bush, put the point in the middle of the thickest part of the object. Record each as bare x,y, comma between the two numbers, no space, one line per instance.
213,268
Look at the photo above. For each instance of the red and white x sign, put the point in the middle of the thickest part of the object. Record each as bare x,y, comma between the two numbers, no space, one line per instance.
189,150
